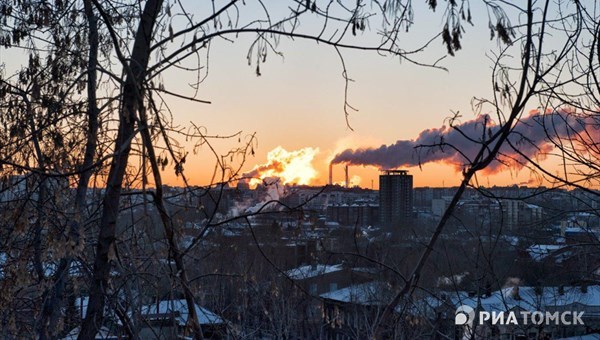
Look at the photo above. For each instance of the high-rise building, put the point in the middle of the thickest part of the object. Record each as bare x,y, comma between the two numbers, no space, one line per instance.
395,198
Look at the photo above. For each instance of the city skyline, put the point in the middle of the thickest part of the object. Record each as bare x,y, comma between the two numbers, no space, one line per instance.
395,101
315,169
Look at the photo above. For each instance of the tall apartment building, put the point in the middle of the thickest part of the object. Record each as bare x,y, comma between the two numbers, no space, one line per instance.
395,198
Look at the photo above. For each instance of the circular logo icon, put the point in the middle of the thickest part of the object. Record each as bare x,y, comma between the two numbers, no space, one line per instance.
464,315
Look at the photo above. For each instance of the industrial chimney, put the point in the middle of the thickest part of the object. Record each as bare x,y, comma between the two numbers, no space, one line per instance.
346,174
331,173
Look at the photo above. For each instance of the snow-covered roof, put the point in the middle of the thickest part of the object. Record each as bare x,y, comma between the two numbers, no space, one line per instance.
103,333
368,270
540,251
309,271
582,214
180,311
370,293
575,230
427,306
451,279
527,298
594,336
230,232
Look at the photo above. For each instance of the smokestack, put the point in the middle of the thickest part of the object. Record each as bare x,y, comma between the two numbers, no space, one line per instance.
331,173
346,173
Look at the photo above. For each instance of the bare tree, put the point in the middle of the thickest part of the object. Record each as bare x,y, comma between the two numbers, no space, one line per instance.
118,51
499,139
119,132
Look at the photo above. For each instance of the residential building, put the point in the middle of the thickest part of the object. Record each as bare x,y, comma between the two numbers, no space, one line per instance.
395,198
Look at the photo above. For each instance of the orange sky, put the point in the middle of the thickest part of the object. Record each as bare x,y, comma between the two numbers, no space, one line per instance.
298,103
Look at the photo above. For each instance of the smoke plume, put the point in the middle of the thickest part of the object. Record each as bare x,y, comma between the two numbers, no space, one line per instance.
534,136
289,166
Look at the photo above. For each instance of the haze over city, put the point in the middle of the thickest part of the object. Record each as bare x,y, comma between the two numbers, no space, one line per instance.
299,169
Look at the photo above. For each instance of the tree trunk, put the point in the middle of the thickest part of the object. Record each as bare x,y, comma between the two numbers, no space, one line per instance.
132,99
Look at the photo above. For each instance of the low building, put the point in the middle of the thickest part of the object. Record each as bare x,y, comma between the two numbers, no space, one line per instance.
356,214
317,279
351,312
168,319
521,301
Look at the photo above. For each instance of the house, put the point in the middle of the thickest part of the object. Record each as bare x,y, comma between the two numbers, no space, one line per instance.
352,312
568,263
165,320
440,310
317,279
168,319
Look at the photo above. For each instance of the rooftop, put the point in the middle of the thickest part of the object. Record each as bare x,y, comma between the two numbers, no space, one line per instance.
524,298
391,172
370,293
309,271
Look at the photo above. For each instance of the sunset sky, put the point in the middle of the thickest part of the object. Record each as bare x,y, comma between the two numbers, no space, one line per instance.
298,100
